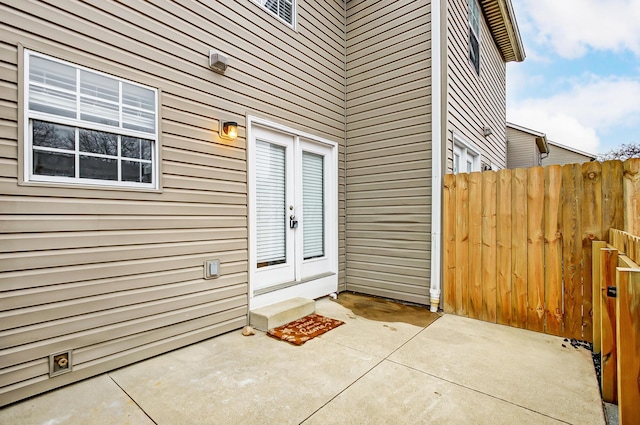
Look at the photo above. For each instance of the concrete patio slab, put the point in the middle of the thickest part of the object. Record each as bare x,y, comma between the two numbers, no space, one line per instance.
94,401
528,369
455,371
413,397
370,336
234,379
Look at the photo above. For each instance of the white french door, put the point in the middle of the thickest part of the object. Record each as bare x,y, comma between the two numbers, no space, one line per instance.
293,215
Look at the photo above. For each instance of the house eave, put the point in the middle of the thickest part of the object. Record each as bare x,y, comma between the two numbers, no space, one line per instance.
504,29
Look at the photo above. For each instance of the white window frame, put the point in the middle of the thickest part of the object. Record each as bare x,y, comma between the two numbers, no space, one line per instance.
28,175
475,32
294,11
467,153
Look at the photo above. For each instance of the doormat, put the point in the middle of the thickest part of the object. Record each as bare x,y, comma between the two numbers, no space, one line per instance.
302,330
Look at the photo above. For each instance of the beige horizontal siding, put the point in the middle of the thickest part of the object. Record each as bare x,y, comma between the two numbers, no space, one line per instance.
475,101
116,274
388,148
561,156
522,151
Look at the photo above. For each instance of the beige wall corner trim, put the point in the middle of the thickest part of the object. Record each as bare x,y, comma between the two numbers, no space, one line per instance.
436,151
504,28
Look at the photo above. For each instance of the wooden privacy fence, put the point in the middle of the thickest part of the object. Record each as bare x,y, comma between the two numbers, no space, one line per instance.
616,321
517,243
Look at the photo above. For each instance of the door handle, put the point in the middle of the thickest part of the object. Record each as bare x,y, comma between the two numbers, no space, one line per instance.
293,223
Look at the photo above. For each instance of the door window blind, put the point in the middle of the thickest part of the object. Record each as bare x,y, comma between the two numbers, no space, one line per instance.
313,205
270,204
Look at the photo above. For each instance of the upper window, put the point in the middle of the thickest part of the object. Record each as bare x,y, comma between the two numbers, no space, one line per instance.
88,127
474,34
283,9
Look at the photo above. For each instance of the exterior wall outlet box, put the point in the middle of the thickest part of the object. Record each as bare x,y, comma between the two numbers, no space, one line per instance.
60,363
211,269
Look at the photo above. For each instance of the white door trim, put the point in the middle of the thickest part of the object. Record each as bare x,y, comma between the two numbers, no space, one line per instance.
310,288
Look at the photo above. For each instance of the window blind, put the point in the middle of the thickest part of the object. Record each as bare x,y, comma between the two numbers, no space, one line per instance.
270,204
313,205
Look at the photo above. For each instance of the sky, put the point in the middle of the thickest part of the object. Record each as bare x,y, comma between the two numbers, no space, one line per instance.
580,81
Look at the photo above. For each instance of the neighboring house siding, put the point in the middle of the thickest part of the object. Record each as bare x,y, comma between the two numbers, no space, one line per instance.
117,275
474,101
558,155
389,148
522,151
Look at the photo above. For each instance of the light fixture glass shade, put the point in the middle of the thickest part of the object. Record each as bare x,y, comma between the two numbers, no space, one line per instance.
229,130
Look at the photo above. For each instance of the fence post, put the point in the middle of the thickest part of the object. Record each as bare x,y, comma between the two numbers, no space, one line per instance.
608,355
597,247
628,341
591,231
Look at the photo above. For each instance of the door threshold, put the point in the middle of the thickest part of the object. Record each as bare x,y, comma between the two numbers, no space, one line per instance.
284,285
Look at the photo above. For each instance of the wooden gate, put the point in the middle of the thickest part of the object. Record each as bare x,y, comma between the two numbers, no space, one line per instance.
517,243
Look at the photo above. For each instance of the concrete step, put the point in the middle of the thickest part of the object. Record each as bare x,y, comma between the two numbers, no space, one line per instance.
278,314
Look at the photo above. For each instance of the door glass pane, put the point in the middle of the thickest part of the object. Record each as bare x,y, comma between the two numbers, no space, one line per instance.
313,205
270,204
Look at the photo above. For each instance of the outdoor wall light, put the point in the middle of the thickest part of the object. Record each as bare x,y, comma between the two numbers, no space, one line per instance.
487,131
217,62
228,129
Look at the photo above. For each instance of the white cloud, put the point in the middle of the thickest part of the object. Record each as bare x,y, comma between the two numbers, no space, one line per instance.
571,27
574,117
558,127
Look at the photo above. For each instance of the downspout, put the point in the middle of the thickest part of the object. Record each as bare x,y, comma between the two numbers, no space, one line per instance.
345,150
436,153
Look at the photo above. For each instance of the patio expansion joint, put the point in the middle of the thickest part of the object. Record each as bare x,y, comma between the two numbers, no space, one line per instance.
476,391
131,398
382,360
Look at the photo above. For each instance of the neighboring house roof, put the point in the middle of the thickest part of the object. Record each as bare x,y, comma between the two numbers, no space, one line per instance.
541,138
502,23
579,152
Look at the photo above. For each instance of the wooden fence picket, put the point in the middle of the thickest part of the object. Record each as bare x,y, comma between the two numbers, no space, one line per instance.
632,196
519,248
449,248
553,250
489,249
462,245
535,249
572,249
503,247
475,246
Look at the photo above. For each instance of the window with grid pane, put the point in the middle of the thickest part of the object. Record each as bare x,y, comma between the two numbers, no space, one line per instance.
283,9
87,127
